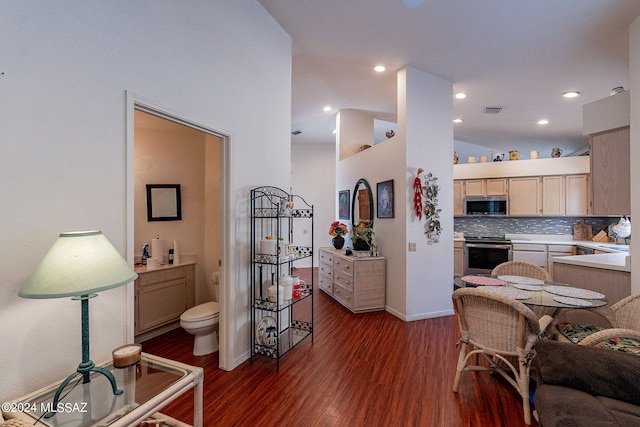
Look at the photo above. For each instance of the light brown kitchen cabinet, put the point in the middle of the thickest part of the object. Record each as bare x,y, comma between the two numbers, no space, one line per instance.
359,284
610,172
458,198
458,258
558,250
161,296
533,253
553,195
486,187
576,195
525,196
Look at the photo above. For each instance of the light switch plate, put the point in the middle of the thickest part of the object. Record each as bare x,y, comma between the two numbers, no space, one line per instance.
412,246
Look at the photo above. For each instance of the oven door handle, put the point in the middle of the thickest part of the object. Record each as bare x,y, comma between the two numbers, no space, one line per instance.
487,246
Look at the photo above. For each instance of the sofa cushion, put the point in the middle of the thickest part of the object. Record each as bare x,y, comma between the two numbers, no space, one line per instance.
576,332
596,371
563,406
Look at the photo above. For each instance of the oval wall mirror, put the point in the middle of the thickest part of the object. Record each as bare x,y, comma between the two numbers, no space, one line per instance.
362,203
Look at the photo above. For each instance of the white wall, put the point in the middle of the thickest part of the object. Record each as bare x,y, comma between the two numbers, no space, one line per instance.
634,73
313,176
66,67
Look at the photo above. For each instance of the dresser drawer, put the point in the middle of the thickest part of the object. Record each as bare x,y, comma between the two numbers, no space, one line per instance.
343,296
325,284
344,265
343,279
326,257
325,270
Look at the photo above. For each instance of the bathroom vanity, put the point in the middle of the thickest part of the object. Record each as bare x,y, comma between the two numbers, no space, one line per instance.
161,296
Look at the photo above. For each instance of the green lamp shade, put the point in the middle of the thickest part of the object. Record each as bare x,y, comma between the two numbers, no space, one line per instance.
78,263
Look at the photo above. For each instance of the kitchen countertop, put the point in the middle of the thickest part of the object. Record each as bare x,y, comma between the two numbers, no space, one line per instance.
617,257
612,261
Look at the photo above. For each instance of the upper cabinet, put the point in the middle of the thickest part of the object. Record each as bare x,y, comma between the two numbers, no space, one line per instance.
577,195
610,172
486,187
547,187
607,122
525,196
555,195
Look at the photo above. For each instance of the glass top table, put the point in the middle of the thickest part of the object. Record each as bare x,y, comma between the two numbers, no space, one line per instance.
148,386
538,297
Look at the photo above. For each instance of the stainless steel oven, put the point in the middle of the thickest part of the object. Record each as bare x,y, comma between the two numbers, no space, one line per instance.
482,254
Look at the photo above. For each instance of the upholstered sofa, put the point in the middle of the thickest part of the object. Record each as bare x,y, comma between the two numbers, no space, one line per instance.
585,386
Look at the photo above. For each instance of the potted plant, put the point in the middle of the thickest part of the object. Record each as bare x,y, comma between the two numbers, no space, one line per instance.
362,236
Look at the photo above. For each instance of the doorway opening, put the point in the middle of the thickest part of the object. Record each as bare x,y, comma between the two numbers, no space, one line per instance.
166,148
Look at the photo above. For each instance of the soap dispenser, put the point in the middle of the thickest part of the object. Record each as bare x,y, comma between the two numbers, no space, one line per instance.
145,253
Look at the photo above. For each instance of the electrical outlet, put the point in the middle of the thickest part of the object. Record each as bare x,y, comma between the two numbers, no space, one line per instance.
412,246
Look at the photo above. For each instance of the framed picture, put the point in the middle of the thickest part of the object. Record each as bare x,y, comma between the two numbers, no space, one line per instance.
343,204
164,202
385,199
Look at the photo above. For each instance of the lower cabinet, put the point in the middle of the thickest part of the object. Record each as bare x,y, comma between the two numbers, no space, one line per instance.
458,258
531,253
357,283
161,296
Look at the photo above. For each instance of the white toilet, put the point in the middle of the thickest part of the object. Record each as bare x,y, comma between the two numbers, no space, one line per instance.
202,322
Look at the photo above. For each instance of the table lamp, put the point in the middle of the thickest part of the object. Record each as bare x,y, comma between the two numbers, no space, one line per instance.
78,265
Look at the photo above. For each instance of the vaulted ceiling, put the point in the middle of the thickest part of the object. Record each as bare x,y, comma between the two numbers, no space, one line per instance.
517,55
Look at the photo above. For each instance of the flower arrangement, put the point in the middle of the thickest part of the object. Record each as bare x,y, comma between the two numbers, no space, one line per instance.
337,229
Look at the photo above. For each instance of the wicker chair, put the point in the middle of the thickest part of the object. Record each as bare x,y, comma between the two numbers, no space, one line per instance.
623,314
521,268
503,331
526,269
611,333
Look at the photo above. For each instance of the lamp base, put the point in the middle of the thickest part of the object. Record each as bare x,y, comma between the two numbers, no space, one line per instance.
84,370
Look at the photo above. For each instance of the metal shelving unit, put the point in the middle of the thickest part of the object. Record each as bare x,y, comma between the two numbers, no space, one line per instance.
273,214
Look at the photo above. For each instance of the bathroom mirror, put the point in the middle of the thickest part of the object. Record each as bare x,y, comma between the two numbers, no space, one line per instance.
163,202
362,203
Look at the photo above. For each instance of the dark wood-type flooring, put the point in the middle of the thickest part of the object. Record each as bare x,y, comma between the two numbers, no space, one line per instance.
367,369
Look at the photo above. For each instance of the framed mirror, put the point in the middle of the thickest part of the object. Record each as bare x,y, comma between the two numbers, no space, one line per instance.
163,202
362,202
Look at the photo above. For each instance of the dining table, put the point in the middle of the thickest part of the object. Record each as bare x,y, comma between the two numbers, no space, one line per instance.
534,292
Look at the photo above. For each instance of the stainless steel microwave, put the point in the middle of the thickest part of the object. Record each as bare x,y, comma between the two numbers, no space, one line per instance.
485,205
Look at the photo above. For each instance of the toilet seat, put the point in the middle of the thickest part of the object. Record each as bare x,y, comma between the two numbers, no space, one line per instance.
202,312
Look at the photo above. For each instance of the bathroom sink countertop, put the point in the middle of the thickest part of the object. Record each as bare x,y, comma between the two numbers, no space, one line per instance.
143,268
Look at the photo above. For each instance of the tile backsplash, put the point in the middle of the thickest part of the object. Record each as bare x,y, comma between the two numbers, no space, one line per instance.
495,226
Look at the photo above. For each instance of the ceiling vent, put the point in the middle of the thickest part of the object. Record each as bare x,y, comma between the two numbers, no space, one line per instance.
296,132
492,110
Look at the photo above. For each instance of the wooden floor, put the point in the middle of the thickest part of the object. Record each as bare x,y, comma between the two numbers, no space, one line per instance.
361,370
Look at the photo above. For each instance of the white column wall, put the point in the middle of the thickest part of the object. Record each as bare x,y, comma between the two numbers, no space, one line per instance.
428,128
634,74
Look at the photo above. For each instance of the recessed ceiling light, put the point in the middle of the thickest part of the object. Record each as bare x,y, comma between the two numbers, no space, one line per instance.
461,95
457,120
327,108
379,68
543,122
571,94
